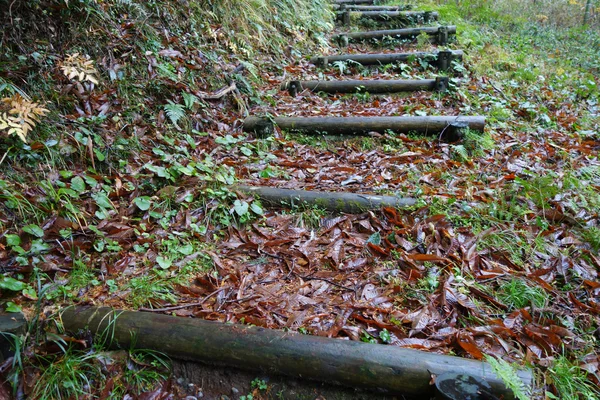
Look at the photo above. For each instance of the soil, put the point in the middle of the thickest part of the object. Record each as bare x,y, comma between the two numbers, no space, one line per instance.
209,382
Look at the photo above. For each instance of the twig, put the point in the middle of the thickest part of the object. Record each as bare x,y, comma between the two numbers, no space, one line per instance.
199,303
218,94
499,91
314,278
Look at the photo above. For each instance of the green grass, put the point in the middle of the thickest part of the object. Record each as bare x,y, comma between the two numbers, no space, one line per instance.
571,381
517,294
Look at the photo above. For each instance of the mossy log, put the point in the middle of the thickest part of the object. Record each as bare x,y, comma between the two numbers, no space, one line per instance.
381,367
396,33
441,58
369,86
408,16
351,203
447,128
358,7
351,2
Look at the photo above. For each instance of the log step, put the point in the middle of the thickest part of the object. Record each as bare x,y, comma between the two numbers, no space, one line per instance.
443,59
386,368
439,84
403,16
441,33
357,7
448,128
351,2
351,203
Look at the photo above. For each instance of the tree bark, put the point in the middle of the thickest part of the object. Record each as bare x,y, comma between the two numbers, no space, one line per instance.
586,15
395,33
380,59
387,368
369,86
448,128
351,203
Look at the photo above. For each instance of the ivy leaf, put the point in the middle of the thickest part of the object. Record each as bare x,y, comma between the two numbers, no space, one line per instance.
143,202
240,207
30,293
164,262
34,230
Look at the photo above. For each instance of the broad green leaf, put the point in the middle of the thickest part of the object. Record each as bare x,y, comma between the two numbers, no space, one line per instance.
12,307
78,184
102,200
38,246
240,207
143,202
34,230
186,250
13,240
9,283
375,238
164,262
30,293
257,209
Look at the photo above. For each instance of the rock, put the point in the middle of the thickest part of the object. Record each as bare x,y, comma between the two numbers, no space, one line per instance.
234,390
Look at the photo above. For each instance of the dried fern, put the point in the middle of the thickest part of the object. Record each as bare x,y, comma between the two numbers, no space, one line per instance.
77,66
20,115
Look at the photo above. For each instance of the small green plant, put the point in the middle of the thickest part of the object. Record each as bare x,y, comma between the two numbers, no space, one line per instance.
518,294
509,376
570,381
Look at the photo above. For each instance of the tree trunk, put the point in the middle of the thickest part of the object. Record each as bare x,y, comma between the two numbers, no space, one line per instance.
382,367
588,8
448,128
351,203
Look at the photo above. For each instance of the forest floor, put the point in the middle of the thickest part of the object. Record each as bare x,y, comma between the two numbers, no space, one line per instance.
499,258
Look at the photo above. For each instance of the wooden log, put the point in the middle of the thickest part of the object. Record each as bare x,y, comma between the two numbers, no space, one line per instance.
448,128
10,324
351,203
356,7
407,16
385,58
351,2
382,367
369,86
395,33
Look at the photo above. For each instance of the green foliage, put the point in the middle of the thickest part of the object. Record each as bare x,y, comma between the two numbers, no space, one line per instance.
517,294
175,112
508,374
571,381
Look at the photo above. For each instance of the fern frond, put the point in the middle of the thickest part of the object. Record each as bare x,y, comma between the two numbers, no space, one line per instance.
175,112
189,100
507,372
460,152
